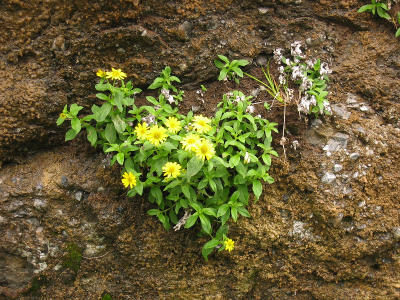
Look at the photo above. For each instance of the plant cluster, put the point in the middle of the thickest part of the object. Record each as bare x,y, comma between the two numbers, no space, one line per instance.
229,70
310,75
195,170
382,8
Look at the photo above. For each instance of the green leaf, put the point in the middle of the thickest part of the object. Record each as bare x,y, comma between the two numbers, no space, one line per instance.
194,166
102,96
212,244
60,121
222,210
212,185
74,109
157,83
257,188
91,135
103,112
118,100
383,14
120,158
71,134
119,124
186,190
219,64
153,212
222,74
397,32
164,220
206,252
191,220
110,133
242,62
205,223
241,210
238,71
223,58
139,187
222,230
155,191
101,87
210,211
234,213
76,125
234,161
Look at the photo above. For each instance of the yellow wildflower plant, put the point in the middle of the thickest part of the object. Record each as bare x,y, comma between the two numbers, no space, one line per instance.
157,135
229,245
115,74
171,170
128,180
173,125
190,142
141,131
63,116
205,149
100,73
201,124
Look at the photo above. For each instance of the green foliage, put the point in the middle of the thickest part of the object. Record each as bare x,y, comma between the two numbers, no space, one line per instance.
106,297
73,257
230,69
380,8
197,171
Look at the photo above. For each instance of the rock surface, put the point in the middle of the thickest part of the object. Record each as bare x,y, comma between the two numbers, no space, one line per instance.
69,232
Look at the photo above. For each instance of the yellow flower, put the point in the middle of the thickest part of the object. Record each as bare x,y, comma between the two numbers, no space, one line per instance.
101,73
190,142
128,179
205,149
63,116
229,245
173,125
201,124
156,135
141,131
171,170
116,74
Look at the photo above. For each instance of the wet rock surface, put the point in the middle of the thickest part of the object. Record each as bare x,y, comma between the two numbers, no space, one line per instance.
328,228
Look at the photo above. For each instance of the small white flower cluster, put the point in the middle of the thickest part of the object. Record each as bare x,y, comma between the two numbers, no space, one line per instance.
298,73
150,119
167,96
295,50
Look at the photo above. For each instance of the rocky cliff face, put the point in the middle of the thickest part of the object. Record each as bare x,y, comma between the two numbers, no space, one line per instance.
328,228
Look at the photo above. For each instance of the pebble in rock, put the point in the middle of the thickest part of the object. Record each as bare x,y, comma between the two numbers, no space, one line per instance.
337,168
354,156
396,233
328,178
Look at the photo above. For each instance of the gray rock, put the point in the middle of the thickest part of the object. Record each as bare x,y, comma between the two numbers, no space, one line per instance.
396,233
64,181
78,196
354,156
300,230
337,168
328,178
39,204
340,111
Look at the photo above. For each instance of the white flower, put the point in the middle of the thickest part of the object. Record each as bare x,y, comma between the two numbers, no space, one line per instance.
278,55
246,158
281,70
295,50
306,103
250,109
150,119
325,69
282,79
